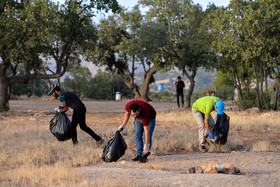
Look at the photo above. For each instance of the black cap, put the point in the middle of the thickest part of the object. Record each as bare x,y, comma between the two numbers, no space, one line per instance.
53,88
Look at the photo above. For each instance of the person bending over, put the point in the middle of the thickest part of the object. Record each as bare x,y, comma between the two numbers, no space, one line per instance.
144,123
69,99
201,110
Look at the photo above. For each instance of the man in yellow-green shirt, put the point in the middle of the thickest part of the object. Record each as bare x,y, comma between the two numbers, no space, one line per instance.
201,110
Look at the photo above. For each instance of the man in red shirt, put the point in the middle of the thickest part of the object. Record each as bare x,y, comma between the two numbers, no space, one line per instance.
144,123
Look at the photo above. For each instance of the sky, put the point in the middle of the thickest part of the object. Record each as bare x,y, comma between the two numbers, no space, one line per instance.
203,3
130,3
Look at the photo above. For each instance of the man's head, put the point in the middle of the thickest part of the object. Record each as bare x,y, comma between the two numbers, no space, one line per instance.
54,89
134,110
179,78
220,107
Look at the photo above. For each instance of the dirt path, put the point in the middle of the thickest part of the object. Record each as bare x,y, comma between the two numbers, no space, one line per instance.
258,169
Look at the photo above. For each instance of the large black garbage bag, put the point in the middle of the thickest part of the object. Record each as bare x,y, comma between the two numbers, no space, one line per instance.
60,126
114,148
221,128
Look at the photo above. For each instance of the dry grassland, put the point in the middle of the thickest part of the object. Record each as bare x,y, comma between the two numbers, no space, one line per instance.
31,156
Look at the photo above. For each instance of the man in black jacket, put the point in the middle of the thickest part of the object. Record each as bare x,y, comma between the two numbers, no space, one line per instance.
179,84
69,99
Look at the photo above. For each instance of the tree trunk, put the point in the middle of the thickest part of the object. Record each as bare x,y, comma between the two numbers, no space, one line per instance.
192,84
189,94
265,78
132,86
262,76
146,83
257,86
237,84
3,90
276,87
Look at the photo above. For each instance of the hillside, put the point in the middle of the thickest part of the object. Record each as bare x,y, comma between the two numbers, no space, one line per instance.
203,79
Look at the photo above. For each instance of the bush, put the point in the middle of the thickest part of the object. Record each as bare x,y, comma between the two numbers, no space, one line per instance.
163,96
249,100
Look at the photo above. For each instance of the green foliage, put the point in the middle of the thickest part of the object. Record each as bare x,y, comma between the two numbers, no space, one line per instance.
79,81
35,87
164,96
198,94
249,99
32,31
103,86
225,93
223,79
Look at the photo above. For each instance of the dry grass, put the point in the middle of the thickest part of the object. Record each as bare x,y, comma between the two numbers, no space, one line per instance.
262,146
256,122
31,156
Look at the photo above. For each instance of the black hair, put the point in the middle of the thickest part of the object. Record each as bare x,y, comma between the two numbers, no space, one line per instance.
57,88
179,77
134,107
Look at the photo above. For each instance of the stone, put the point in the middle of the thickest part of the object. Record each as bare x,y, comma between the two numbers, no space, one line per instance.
190,170
229,166
203,167
211,170
198,169
213,164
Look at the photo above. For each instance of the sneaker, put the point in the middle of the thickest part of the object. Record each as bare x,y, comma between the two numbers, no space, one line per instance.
75,142
143,159
100,142
137,158
202,148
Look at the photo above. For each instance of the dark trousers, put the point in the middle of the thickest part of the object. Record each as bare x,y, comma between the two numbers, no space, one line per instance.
182,98
79,117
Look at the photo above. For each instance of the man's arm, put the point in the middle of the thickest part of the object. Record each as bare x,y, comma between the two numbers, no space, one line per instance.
147,138
65,107
125,120
206,123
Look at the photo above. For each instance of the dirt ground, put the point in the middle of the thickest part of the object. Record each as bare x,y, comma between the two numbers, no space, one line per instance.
257,169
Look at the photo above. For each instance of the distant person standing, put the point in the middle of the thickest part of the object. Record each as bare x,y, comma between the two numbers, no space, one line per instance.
179,84
69,99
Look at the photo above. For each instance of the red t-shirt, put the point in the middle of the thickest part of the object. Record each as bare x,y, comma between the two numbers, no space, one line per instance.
147,112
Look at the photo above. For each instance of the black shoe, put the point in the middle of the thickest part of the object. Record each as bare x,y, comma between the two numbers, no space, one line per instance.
137,158
75,142
202,148
143,159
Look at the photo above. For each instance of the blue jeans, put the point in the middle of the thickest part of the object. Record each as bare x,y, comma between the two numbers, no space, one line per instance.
139,131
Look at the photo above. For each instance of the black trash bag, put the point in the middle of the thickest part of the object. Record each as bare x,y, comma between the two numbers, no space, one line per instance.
114,148
60,126
221,128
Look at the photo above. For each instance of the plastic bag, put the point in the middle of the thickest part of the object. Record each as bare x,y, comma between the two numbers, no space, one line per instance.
60,126
221,128
114,148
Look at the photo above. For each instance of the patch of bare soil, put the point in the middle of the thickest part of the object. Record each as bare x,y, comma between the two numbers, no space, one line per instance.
257,169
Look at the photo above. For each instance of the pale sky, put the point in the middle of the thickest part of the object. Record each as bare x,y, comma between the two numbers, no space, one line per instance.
203,3
130,3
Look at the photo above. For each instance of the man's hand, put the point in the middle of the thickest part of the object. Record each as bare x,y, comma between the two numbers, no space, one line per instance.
146,148
121,127
57,109
211,135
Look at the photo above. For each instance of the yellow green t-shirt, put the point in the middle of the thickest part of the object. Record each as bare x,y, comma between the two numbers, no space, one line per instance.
205,104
